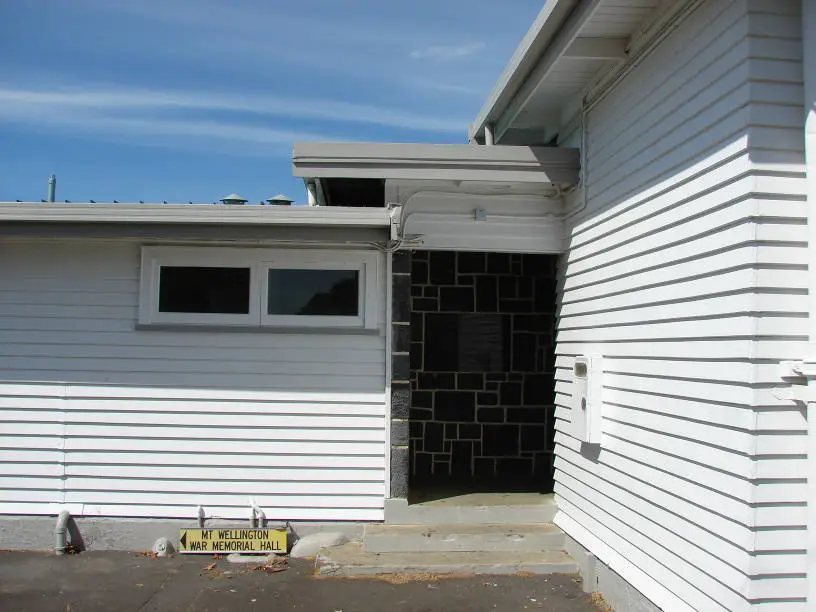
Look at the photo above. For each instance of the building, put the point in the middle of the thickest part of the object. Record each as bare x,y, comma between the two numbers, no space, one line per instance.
627,233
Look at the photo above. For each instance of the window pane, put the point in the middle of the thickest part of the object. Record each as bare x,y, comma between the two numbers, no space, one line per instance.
314,292
204,290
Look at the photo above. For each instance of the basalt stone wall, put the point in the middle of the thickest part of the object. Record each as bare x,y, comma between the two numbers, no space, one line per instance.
400,371
482,368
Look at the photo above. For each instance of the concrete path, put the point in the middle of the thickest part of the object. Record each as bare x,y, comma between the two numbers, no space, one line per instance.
106,581
352,561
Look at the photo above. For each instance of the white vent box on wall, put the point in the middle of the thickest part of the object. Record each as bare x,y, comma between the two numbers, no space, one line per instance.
587,388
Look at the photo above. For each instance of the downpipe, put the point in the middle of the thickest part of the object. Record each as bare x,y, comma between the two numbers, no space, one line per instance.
61,532
257,518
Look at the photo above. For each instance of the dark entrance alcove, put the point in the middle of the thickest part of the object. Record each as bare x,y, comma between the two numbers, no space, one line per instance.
481,371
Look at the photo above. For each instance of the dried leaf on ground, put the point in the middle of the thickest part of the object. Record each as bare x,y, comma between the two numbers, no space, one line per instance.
211,566
148,553
400,578
599,602
278,564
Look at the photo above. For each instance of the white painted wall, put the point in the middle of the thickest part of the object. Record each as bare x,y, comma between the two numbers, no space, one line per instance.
809,98
687,271
503,223
480,217
116,421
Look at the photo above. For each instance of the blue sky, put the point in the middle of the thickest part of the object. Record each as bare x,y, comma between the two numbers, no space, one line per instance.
184,100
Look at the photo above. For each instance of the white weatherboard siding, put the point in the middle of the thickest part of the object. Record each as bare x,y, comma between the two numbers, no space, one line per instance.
112,420
809,73
687,271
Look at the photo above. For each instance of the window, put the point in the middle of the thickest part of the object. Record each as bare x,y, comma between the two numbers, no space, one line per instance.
314,292
259,287
330,294
205,290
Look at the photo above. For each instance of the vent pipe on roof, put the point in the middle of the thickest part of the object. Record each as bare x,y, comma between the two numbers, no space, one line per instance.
232,198
279,200
52,188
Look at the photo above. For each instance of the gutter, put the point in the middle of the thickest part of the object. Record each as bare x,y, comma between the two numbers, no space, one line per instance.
193,214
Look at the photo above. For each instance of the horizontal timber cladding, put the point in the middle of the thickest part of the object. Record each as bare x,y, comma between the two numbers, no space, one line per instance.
112,420
687,271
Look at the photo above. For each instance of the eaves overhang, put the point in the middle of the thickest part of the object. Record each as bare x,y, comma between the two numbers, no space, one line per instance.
410,161
523,61
571,45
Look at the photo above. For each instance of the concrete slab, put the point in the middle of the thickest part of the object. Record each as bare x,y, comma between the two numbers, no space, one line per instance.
95,533
491,499
125,582
474,508
351,560
601,579
310,545
463,538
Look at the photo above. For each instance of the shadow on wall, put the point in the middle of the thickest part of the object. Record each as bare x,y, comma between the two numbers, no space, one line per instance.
591,451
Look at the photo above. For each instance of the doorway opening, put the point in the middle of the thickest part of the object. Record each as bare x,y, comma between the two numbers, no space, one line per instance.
482,373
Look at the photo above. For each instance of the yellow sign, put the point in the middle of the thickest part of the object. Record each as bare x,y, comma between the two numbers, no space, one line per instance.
232,540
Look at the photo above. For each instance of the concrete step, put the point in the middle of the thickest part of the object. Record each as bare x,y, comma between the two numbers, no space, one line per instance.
474,508
351,560
379,538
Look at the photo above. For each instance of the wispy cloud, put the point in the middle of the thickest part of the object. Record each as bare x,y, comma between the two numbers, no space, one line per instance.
186,135
243,77
350,47
434,85
447,52
201,120
120,100
329,38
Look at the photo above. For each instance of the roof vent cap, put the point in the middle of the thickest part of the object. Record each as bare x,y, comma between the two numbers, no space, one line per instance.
279,200
233,198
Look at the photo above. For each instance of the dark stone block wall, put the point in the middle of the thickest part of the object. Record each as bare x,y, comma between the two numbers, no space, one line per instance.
481,368
400,371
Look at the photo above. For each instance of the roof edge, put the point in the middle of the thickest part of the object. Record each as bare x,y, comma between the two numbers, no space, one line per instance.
192,214
523,61
428,161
